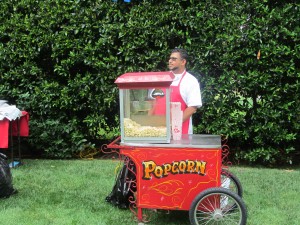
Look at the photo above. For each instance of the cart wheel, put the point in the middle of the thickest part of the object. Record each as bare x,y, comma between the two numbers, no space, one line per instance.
218,206
231,182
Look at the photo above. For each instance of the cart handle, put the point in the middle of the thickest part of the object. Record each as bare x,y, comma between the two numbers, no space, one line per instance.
114,145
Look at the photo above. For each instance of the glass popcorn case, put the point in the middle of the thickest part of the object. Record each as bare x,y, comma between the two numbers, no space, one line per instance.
145,107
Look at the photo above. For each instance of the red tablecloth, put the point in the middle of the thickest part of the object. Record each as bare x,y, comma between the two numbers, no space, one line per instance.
4,128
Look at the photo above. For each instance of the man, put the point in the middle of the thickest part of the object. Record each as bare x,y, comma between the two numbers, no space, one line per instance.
185,89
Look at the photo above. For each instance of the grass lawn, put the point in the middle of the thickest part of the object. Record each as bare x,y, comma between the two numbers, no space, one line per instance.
59,192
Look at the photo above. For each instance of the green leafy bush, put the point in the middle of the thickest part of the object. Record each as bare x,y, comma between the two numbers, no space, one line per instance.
59,60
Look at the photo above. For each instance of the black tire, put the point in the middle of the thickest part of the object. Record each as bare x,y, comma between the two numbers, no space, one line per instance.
6,186
234,183
218,206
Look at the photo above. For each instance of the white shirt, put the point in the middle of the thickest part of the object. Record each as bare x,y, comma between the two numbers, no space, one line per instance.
189,89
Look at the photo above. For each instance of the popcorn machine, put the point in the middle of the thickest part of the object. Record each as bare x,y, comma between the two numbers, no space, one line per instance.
145,107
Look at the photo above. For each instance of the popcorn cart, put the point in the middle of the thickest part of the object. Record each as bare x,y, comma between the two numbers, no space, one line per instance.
185,174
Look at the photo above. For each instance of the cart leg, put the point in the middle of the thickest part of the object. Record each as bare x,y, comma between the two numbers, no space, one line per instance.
140,216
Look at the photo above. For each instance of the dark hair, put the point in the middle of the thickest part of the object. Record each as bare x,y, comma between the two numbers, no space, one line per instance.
183,53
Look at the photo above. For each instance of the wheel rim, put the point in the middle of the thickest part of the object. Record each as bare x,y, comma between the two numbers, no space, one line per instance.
218,208
231,182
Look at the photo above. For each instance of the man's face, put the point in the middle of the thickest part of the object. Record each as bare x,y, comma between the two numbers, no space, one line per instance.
175,62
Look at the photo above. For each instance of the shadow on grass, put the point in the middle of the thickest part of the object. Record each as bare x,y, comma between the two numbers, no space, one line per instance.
172,217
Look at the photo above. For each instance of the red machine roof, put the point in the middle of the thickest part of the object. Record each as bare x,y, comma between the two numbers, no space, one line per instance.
140,80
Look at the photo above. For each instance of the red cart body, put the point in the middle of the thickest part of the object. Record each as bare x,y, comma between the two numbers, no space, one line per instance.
170,176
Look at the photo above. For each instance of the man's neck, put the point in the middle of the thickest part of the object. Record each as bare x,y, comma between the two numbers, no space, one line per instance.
179,71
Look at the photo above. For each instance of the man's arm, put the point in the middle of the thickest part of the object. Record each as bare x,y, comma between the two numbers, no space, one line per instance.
188,112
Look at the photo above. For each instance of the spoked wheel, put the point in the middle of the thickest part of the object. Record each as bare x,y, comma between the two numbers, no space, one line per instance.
231,182
216,206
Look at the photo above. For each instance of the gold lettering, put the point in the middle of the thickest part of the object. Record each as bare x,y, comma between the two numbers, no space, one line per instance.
190,166
200,167
175,167
167,169
149,167
182,166
158,171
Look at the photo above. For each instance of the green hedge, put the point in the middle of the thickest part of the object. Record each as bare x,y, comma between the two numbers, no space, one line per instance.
59,60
